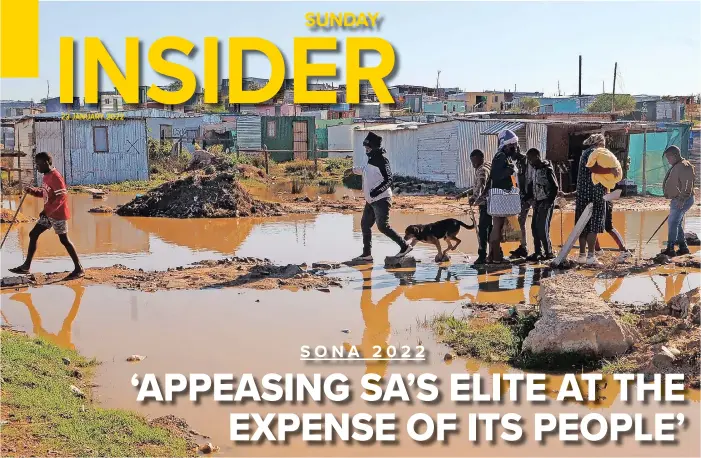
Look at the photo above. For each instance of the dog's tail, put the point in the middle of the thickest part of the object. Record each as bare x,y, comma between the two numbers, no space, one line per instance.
465,225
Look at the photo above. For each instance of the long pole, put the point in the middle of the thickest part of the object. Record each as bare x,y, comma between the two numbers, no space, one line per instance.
613,97
580,75
14,219
645,163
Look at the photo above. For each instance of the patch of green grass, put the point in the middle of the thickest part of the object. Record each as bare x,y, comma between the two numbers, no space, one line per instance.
630,319
45,415
619,365
299,168
501,341
488,341
337,165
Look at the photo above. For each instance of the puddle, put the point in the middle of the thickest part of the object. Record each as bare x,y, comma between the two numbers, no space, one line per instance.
240,331
272,192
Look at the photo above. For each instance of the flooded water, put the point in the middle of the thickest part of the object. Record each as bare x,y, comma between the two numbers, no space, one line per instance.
249,331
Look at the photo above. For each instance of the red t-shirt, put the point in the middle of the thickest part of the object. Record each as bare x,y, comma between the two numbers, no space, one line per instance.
55,196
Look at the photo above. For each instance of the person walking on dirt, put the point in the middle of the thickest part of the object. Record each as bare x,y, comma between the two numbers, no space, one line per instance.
542,192
678,187
377,188
478,196
525,175
55,214
502,170
588,192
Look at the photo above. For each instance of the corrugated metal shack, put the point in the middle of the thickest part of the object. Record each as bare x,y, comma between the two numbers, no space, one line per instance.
289,137
86,151
441,151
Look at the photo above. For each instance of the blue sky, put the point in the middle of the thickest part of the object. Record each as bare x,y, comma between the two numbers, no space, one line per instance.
476,45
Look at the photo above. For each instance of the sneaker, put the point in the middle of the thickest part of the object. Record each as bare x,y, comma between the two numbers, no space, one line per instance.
406,250
593,261
548,256
582,259
480,261
363,258
669,251
623,257
683,250
534,257
519,252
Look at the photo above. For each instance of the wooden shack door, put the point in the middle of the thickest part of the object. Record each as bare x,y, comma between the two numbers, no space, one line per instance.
301,145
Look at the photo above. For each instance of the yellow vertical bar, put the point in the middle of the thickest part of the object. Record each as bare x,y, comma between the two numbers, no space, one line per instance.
19,38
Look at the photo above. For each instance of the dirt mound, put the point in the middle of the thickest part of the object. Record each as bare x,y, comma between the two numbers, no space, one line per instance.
221,273
101,209
6,216
200,196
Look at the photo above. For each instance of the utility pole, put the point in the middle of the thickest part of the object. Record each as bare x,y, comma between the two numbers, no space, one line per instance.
603,87
438,77
47,89
580,75
558,88
613,97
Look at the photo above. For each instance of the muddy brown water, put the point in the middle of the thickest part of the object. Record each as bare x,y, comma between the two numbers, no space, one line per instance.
239,331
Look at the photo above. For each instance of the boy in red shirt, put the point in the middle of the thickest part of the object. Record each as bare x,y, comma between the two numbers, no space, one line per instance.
55,214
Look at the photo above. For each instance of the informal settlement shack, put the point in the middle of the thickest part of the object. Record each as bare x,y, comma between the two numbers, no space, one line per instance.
85,151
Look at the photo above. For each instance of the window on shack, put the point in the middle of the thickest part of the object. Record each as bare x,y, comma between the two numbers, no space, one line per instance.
271,128
99,139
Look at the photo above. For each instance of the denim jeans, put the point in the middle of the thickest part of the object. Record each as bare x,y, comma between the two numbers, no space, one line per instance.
675,224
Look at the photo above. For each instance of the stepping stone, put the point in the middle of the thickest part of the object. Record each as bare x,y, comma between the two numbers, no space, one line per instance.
394,262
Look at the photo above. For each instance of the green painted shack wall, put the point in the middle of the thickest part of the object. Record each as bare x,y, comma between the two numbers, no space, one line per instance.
283,138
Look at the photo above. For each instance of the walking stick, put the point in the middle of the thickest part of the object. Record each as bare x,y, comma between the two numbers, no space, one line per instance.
657,230
14,219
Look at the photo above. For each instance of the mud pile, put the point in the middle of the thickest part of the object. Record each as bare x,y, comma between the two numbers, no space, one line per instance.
6,216
218,195
221,273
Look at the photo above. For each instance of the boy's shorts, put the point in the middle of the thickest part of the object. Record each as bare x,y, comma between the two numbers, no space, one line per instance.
59,226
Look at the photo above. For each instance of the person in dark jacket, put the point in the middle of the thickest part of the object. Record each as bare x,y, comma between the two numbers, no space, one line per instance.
524,174
542,192
501,174
377,188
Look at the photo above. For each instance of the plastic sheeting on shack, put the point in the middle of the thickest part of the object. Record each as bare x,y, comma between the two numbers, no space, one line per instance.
653,145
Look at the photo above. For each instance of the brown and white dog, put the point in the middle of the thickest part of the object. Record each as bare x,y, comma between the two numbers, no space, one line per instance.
446,229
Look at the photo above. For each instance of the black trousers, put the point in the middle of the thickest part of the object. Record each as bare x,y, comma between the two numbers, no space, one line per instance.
540,226
484,227
378,212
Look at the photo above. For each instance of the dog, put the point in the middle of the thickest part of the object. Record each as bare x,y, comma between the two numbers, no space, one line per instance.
446,229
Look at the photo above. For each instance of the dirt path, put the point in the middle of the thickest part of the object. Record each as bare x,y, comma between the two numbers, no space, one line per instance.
234,272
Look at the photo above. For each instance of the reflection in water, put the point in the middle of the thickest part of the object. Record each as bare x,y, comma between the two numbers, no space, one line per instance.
64,336
376,318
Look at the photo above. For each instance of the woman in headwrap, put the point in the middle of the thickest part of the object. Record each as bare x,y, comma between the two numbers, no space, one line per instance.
589,192
501,172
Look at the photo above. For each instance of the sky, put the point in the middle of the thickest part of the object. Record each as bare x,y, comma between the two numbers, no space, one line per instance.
530,46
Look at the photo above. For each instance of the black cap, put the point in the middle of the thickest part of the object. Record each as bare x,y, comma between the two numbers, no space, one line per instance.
372,140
